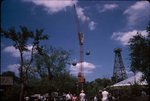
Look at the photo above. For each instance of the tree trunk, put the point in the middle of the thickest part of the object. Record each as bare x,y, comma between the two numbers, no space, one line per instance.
21,92
21,77
50,97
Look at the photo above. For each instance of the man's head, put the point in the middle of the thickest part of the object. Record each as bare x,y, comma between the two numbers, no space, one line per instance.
100,91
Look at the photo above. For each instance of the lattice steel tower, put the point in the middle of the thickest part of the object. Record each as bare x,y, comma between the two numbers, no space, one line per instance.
119,72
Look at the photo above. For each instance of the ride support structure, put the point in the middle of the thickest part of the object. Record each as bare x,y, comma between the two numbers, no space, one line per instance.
119,72
81,78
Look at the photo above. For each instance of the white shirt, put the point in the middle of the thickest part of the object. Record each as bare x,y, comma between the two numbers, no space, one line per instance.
68,96
95,98
27,98
105,96
82,97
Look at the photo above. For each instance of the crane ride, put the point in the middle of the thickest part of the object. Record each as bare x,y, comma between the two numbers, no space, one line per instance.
81,78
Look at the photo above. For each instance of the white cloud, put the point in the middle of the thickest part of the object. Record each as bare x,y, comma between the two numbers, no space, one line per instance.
137,16
60,5
128,71
81,16
13,68
80,12
92,25
88,67
138,12
53,6
107,7
28,53
124,37
15,52
11,49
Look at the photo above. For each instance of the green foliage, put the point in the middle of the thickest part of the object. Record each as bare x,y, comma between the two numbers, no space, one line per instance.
139,46
52,62
93,87
126,92
50,68
66,82
21,39
104,81
20,42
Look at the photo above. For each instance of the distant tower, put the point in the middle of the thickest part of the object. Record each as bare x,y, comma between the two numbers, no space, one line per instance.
119,72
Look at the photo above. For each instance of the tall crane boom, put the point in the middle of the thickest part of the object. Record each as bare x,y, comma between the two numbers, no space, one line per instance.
84,25
81,78
76,18
80,34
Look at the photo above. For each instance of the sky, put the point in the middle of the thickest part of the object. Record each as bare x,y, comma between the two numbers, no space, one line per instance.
109,25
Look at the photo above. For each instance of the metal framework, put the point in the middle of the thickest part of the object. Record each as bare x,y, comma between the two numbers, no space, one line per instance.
81,78
119,72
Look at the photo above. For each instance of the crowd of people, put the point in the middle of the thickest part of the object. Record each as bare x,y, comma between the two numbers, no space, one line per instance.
82,97
101,96
104,96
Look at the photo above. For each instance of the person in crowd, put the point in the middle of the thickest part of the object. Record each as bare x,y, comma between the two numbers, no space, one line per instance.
99,96
95,98
111,97
27,98
105,95
69,96
74,98
82,96
143,93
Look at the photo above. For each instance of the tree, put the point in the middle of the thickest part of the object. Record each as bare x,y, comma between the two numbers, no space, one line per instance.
21,41
52,62
139,46
62,83
93,87
104,82
66,82
51,66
